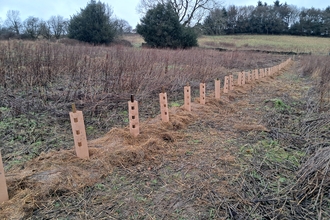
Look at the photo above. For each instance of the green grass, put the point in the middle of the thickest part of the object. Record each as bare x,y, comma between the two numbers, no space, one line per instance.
269,166
273,152
279,104
175,104
25,136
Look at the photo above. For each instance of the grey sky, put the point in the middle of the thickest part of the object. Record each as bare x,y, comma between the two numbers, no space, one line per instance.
123,9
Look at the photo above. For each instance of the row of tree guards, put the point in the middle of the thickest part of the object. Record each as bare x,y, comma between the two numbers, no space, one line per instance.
78,126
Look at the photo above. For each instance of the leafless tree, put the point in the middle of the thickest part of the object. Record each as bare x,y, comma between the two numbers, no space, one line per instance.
189,11
31,27
57,25
122,26
13,21
44,30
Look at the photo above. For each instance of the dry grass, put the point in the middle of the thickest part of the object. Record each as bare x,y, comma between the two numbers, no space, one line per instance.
318,67
135,39
286,170
40,80
297,44
112,69
230,159
285,43
60,172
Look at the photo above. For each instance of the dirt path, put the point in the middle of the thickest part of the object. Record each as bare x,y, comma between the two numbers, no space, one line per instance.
187,169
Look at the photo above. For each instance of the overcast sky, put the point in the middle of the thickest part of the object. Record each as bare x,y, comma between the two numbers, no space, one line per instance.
123,9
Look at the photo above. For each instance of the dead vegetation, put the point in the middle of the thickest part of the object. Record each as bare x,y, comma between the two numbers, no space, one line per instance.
287,175
262,152
318,67
61,172
40,80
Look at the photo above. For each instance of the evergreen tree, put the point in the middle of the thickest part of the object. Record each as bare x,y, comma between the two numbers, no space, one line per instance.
161,28
326,22
93,24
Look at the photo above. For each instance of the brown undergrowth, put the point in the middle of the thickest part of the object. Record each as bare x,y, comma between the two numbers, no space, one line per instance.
231,159
286,170
62,172
40,80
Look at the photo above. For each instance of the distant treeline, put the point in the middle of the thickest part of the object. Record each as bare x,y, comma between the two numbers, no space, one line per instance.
55,27
267,19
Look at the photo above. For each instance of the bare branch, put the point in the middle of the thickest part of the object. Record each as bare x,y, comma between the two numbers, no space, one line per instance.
189,11
13,21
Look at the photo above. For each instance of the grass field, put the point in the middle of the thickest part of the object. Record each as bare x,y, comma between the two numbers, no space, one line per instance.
298,44
261,152
286,43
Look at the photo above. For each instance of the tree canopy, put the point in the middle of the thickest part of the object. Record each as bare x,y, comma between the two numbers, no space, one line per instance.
264,18
161,28
93,24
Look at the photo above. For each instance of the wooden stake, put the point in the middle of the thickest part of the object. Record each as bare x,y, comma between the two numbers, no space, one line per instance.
79,133
202,93
133,113
187,98
217,87
74,110
3,185
256,74
164,107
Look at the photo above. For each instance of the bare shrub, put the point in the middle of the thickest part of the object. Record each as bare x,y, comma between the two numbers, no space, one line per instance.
117,69
42,79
